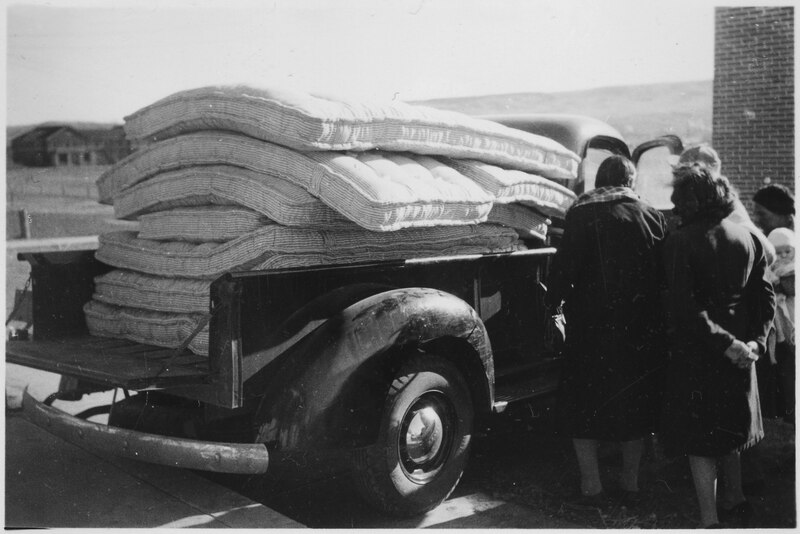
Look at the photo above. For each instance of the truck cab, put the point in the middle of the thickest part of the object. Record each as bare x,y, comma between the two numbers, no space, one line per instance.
378,369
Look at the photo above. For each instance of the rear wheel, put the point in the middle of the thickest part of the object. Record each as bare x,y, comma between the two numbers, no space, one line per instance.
423,441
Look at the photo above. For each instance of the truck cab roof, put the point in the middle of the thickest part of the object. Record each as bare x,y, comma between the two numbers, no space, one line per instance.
575,132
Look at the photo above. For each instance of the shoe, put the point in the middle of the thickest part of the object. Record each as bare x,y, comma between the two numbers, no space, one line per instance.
715,525
628,499
738,516
598,501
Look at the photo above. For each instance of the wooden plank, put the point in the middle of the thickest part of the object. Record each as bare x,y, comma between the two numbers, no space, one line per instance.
53,244
126,364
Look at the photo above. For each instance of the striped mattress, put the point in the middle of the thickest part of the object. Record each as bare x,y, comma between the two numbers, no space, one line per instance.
306,122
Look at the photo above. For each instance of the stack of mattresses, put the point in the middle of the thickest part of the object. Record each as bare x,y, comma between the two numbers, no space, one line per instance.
237,178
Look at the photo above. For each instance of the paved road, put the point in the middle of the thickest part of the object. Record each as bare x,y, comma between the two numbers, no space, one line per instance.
50,483
54,484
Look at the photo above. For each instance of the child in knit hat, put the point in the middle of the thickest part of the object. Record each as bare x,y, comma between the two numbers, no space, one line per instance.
782,275
783,241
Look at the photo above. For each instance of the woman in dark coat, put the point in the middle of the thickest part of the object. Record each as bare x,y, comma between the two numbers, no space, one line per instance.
719,309
607,273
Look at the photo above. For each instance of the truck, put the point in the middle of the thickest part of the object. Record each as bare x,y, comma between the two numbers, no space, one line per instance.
377,369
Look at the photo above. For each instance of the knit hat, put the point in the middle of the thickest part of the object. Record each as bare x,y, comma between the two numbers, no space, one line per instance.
781,237
776,198
702,155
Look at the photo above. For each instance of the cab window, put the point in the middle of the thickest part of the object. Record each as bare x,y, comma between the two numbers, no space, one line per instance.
654,182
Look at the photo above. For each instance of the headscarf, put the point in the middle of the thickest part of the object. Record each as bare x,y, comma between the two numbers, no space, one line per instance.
605,194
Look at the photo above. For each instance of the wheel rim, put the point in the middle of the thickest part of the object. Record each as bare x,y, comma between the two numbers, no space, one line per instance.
426,436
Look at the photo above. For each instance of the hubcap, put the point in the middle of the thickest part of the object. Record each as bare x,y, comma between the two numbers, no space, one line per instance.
425,436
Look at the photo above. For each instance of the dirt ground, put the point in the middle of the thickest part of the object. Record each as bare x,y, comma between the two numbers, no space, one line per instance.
521,461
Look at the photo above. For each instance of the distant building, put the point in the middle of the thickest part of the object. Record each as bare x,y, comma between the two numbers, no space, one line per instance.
64,146
753,116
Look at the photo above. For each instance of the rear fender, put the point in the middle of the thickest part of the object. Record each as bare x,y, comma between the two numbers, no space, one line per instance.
328,390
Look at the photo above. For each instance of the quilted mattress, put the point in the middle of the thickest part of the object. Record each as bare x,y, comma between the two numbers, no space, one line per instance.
509,186
202,224
379,191
307,122
528,223
165,294
143,326
275,246
225,185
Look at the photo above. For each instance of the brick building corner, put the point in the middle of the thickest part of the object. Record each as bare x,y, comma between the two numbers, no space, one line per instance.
753,115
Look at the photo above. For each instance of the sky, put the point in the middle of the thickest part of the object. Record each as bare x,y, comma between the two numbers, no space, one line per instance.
83,60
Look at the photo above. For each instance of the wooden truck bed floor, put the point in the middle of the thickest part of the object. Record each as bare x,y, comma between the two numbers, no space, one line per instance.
111,362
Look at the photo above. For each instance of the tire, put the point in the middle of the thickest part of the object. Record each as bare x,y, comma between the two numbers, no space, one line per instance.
404,478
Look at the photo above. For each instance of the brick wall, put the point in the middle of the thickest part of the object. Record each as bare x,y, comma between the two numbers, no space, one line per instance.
753,117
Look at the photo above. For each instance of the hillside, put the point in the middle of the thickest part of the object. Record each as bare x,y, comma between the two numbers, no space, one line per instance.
639,112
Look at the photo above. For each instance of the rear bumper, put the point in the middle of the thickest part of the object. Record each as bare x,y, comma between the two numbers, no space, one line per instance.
237,458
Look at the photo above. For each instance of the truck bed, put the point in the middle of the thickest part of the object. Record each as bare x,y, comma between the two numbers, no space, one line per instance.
254,313
111,362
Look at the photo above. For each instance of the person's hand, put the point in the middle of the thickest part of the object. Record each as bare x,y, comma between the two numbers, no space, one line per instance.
754,350
741,354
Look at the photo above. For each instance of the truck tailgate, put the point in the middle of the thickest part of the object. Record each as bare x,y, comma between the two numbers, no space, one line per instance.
111,362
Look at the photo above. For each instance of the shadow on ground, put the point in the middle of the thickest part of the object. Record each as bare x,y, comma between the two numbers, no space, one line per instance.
521,476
